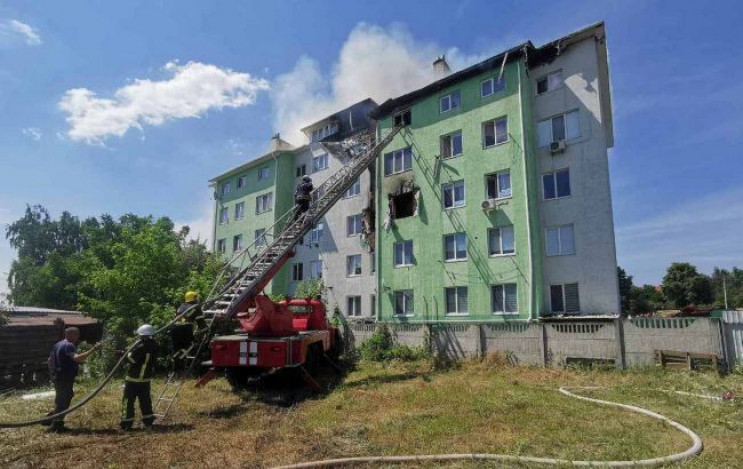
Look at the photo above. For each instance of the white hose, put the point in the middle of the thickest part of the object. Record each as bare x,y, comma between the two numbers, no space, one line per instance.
693,450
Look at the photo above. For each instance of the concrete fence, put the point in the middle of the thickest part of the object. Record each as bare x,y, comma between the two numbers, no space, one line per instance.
623,342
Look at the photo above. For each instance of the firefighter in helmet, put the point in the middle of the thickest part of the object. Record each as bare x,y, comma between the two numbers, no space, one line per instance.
302,196
182,333
141,360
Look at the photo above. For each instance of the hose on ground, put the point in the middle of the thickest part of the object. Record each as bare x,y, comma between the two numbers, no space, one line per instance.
695,448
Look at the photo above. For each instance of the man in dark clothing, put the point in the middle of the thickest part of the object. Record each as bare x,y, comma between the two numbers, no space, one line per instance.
182,334
141,360
64,363
302,196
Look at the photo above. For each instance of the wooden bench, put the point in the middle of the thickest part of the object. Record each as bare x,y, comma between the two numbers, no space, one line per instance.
687,360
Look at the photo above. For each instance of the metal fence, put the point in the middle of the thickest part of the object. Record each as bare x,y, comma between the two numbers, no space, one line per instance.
732,322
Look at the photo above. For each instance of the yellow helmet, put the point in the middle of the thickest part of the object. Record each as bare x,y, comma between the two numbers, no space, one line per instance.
191,296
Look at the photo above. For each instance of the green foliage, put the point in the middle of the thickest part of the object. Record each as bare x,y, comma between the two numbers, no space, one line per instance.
310,288
625,289
683,285
381,347
730,280
125,272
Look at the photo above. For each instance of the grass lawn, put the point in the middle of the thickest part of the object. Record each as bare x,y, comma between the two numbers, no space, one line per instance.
395,409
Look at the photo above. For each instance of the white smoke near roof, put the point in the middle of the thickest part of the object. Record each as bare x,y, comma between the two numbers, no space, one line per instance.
375,62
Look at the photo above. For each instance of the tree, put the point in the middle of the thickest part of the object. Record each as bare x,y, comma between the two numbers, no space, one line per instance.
683,285
731,281
625,290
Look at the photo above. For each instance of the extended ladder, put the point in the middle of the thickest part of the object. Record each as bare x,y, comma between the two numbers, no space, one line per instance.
288,231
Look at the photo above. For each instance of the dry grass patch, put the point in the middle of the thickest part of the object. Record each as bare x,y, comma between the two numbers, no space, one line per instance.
399,408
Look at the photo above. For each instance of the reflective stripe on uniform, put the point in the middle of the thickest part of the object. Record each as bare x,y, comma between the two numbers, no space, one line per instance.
129,357
136,380
144,366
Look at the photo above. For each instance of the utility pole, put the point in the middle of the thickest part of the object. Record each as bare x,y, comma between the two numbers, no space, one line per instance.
725,291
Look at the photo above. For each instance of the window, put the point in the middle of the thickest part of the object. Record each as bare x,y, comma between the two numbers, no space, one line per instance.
224,215
241,181
498,185
398,161
456,300
503,299
326,130
354,305
264,203
297,272
564,298
404,205
560,241
240,211
264,173
556,184
491,86
316,233
453,194
353,265
555,129
401,118
404,254
455,247
320,163
221,245
226,188
237,242
353,225
315,269
404,302
450,102
372,262
301,170
495,132
500,241
260,237
354,190
373,304
549,82
451,145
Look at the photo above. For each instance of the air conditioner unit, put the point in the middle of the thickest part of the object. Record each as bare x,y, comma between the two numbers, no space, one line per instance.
488,205
557,147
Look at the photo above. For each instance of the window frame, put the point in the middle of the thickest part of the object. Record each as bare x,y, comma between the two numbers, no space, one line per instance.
222,245
350,224
456,290
559,229
497,175
268,203
404,256
300,170
500,229
226,188
450,136
324,157
237,242
352,266
356,185
260,239
553,174
449,98
546,77
262,170
239,210
401,115
313,264
297,271
496,143
566,129
494,91
394,154
563,298
503,299
224,220
453,186
241,181
408,303
356,301
316,233
456,247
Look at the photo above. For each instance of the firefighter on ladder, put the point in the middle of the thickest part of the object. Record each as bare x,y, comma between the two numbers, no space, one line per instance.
183,334
302,197
141,361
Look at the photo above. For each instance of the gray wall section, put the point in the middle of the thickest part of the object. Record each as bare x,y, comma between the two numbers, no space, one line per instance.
589,209
626,342
335,246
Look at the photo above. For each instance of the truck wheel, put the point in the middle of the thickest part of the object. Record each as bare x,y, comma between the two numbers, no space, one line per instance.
314,354
238,376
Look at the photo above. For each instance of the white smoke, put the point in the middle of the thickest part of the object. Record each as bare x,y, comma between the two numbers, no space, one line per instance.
375,62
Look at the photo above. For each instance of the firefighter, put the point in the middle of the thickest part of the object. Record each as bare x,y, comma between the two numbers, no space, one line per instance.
141,360
302,196
183,334
64,362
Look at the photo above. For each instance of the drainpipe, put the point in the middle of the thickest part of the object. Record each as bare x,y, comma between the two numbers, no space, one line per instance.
214,186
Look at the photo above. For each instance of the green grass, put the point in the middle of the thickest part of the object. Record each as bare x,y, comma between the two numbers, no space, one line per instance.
400,408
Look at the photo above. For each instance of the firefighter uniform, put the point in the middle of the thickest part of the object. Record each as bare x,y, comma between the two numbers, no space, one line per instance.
182,334
141,360
302,196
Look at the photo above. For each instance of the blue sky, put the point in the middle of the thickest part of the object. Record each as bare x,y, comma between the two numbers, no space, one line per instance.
131,106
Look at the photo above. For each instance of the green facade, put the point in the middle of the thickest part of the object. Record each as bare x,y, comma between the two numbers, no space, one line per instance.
430,274
280,167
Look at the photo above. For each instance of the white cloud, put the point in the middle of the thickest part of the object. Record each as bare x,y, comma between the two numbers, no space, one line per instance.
202,225
374,62
34,133
192,90
15,28
704,231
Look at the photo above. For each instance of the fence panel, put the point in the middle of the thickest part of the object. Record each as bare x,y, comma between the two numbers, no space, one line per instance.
580,340
521,342
732,322
643,336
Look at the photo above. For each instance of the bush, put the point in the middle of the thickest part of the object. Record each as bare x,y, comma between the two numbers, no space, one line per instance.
380,347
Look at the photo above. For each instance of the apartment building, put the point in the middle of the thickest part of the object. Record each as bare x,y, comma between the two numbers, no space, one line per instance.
494,200
250,198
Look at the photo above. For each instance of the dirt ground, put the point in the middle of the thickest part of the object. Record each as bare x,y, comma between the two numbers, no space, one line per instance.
394,409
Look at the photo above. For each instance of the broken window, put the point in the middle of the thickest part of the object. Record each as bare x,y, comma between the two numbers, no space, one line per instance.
403,205
451,145
498,185
495,132
401,118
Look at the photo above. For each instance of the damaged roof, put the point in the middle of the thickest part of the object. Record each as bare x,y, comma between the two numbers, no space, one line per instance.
534,56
